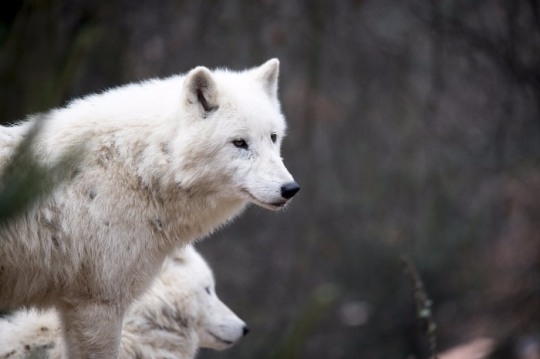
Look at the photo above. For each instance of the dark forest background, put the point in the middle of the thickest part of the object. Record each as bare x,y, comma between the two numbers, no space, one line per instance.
414,129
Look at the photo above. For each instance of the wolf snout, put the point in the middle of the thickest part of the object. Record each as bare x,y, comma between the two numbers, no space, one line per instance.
245,330
288,190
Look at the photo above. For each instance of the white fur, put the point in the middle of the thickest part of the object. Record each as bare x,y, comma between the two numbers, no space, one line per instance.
180,313
160,169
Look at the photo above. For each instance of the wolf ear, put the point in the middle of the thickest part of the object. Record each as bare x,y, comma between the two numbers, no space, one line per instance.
268,74
201,90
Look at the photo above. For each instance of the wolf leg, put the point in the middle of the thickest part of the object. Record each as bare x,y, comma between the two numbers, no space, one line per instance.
91,330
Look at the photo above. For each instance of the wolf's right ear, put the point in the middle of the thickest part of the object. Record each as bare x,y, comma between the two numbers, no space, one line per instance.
201,90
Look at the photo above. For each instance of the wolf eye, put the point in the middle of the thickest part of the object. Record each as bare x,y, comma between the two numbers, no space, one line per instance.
207,289
273,137
240,143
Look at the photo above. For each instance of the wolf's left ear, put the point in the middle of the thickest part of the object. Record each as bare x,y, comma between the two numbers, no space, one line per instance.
268,74
201,90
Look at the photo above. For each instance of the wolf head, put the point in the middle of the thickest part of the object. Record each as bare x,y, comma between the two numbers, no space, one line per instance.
217,326
234,130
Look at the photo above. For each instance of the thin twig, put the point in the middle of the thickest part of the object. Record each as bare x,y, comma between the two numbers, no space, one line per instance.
423,304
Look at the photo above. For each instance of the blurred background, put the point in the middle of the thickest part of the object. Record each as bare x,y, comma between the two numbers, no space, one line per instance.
414,129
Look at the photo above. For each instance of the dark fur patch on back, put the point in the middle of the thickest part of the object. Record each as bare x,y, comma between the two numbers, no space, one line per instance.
75,173
10,354
157,224
106,154
165,148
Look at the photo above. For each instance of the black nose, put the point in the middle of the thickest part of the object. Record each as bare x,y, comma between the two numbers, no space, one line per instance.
288,190
245,330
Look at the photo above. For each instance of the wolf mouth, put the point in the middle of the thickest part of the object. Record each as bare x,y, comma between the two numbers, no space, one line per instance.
280,204
274,206
219,339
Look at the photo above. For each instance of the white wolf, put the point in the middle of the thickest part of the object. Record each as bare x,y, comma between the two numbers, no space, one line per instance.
180,313
165,163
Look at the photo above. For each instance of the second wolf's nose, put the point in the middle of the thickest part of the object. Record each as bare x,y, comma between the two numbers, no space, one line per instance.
288,190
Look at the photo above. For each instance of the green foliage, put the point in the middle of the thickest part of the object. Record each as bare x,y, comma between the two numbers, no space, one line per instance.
24,180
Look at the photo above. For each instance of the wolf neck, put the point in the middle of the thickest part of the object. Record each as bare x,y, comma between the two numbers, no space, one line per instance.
186,212
195,219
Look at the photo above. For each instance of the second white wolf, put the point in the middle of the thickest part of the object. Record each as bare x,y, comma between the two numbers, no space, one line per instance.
180,313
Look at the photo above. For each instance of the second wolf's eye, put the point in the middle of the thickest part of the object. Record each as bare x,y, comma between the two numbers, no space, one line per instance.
207,290
273,137
240,143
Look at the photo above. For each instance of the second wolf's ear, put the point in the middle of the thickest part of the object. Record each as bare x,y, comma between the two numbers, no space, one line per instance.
201,90
268,74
